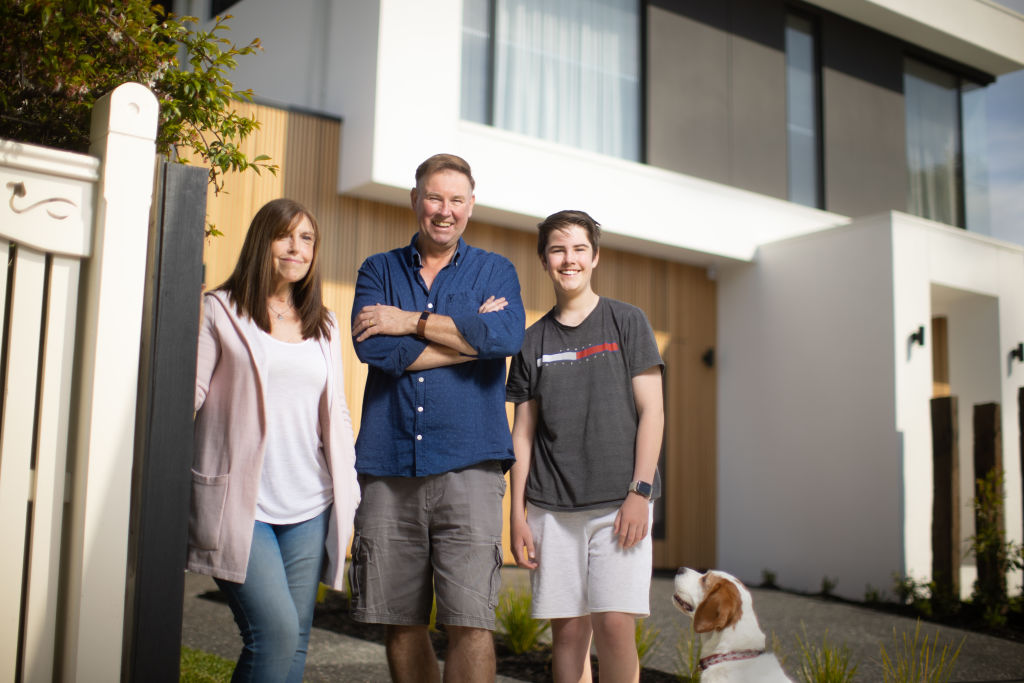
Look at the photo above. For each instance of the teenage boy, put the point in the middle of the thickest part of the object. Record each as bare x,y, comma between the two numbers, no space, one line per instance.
589,418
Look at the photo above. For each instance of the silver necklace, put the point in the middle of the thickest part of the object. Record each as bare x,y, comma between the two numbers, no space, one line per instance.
280,315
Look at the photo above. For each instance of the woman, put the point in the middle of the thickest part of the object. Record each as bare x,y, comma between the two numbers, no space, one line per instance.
273,486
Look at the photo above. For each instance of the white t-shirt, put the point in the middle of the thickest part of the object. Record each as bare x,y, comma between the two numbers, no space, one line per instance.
295,484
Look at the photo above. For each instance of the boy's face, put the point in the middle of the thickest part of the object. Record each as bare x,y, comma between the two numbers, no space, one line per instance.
569,260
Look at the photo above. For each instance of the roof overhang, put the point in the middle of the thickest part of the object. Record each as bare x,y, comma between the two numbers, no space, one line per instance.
981,34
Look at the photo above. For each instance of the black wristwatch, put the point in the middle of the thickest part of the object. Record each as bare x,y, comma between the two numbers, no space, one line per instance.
642,488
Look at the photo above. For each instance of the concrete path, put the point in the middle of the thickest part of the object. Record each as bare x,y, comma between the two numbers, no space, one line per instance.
333,657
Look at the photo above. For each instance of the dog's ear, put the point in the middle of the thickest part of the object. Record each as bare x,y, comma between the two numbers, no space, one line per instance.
720,608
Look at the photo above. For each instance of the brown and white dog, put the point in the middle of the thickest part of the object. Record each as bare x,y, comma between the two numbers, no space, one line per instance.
732,642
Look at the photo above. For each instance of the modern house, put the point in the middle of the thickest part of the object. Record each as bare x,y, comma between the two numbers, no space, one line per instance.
795,192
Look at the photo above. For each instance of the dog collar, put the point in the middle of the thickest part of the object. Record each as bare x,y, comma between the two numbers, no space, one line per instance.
735,656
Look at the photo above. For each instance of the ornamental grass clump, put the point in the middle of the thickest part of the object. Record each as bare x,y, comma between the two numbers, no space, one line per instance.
646,641
521,632
918,659
825,663
688,657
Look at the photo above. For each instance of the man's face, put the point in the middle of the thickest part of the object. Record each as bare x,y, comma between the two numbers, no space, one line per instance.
443,203
569,260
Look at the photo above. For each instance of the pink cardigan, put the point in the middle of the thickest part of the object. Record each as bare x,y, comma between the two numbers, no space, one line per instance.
230,439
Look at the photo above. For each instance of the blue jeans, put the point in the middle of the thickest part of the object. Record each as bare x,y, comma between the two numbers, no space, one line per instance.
274,607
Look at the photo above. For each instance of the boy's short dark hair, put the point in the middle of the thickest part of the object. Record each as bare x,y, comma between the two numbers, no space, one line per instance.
566,219
444,162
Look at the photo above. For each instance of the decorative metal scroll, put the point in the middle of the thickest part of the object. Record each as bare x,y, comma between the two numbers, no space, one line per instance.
18,191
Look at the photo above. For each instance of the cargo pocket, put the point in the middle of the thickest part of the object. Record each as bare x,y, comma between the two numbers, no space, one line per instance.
499,560
206,512
357,574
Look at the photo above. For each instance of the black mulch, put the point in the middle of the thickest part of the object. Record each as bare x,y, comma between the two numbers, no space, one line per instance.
333,615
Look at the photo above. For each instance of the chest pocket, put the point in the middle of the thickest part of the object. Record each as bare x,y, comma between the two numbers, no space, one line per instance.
461,302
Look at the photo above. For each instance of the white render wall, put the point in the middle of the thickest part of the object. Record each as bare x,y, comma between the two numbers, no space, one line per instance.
824,435
810,482
978,283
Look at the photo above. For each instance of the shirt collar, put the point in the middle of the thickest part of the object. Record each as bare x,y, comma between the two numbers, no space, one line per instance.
415,261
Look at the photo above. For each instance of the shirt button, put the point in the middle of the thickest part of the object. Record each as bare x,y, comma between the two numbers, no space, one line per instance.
430,305
419,409
419,437
419,379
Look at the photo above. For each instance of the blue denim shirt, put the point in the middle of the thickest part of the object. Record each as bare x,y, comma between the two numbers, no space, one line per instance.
427,422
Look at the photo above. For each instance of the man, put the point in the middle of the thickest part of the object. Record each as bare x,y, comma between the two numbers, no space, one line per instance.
588,426
435,321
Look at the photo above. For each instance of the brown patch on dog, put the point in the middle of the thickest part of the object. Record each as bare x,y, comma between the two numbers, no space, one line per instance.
720,608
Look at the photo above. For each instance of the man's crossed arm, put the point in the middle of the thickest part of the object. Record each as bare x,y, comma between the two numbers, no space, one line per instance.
446,344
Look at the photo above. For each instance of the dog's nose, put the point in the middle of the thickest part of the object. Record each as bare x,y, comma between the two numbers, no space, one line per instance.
681,570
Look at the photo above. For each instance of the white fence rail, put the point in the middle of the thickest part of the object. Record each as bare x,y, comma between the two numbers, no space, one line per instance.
73,232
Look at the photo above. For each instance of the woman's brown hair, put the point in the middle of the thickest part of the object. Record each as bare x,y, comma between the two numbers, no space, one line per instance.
250,284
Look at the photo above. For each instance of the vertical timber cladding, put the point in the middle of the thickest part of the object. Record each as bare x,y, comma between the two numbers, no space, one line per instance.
679,301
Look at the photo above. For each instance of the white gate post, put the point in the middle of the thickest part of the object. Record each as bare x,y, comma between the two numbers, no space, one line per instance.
113,281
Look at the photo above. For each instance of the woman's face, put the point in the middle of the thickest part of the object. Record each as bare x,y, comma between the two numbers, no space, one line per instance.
292,252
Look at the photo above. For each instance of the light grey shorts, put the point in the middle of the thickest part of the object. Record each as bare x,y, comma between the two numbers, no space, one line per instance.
581,567
418,535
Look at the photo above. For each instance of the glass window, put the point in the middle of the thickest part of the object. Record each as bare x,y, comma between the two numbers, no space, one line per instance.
974,108
568,72
947,147
803,141
933,143
477,29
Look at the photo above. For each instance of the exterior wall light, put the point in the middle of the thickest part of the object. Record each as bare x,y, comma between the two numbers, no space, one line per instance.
917,337
1017,352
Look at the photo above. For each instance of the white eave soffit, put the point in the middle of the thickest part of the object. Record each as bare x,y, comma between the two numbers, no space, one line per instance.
979,33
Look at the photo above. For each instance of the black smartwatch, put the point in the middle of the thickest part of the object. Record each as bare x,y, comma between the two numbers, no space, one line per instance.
642,488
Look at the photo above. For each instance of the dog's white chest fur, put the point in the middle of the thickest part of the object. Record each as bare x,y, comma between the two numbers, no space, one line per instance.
732,642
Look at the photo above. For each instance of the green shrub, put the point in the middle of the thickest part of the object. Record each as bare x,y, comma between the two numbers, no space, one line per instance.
768,579
202,667
59,56
827,663
828,585
914,593
995,557
521,631
646,640
917,659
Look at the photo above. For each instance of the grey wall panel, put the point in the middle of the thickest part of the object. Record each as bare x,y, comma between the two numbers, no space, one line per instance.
688,93
758,104
864,119
716,92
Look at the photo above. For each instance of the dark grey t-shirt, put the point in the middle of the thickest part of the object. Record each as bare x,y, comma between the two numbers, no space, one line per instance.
581,378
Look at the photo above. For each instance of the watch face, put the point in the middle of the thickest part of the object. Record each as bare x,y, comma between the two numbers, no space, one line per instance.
643,488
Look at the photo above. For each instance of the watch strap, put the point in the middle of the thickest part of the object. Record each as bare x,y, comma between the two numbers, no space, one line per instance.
421,325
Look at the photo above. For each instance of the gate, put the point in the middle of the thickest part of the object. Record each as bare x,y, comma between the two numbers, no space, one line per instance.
73,234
